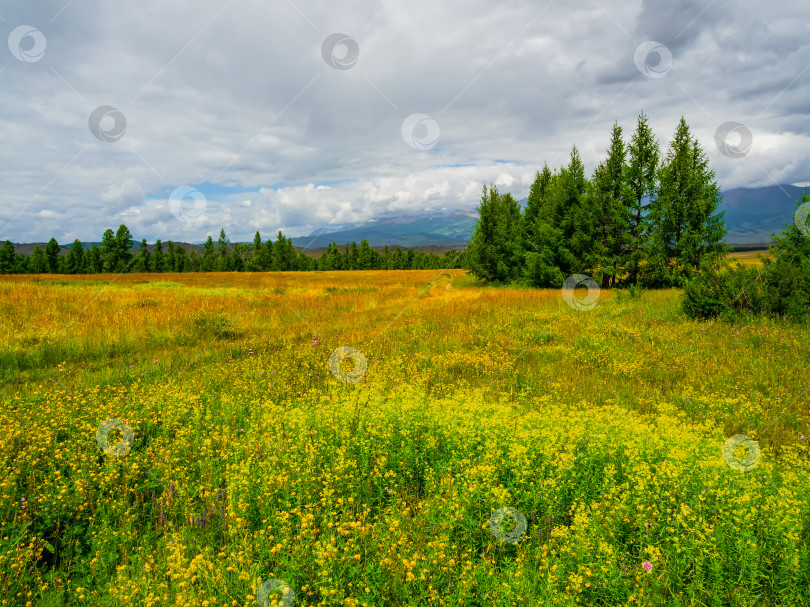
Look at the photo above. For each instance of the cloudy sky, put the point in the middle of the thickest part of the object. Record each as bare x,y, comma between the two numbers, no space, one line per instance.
180,118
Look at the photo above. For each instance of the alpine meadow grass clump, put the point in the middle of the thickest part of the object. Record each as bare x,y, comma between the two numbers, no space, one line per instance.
389,445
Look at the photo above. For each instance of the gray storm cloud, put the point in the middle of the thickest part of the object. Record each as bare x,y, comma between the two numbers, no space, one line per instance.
238,100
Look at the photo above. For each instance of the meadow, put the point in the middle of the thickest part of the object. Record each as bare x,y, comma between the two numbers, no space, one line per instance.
480,446
748,258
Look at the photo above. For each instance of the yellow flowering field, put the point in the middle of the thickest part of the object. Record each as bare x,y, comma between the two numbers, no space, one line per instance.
394,438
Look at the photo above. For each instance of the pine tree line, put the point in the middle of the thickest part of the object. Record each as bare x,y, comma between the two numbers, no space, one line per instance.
114,256
639,220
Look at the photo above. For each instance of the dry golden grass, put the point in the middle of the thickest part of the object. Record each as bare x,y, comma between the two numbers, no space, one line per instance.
749,258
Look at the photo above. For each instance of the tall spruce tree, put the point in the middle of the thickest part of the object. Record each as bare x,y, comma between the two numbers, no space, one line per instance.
495,247
93,261
171,257
181,260
75,258
536,201
642,175
575,221
52,254
558,241
39,262
331,258
143,260
7,258
123,242
283,254
208,256
685,227
109,253
253,264
543,238
365,258
158,258
607,204
222,243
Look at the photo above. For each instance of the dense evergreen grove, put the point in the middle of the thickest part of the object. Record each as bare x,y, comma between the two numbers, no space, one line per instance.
114,255
640,220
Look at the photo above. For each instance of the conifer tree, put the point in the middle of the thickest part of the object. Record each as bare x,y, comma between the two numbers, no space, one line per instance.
39,262
543,237
208,256
181,260
576,224
52,254
171,257
607,204
109,252
685,227
222,243
123,242
75,258
7,258
365,259
490,252
642,175
143,261
93,262
158,258
536,201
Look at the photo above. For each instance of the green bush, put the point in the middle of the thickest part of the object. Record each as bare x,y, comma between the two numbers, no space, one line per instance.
780,288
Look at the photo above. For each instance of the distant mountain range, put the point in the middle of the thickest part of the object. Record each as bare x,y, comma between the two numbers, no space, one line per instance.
752,214
446,230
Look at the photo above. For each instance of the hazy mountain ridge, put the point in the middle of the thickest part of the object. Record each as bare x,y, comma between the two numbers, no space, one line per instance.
752,214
